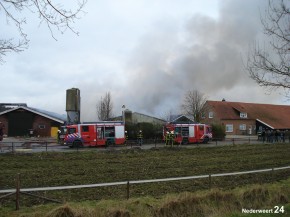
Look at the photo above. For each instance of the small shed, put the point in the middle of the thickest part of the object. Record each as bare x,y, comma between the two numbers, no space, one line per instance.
27,121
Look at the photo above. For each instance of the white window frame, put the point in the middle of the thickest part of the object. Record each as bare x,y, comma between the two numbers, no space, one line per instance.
41,126
229,128
210,115
243,127
243,115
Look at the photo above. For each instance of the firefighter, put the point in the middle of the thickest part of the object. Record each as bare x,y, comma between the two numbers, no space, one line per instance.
126,137
140,138
58,136
167,138
172,138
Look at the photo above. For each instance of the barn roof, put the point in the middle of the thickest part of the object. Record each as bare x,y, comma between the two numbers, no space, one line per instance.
50,115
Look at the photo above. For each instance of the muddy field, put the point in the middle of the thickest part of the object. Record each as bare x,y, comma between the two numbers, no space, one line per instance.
88,167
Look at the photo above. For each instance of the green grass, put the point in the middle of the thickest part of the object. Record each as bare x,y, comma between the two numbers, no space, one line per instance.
89,167
214,202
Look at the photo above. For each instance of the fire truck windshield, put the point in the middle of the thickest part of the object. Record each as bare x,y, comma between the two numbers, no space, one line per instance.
71,130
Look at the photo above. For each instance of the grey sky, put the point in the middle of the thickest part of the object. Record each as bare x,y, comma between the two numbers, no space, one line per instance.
147,53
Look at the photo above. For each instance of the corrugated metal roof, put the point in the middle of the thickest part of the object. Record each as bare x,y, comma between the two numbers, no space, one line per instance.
148,116
50,115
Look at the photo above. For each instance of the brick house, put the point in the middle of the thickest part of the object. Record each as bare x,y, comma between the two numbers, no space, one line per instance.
241,118
23,120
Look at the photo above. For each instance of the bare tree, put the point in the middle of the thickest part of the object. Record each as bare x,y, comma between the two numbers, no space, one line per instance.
55,16
269,66
167,115
105,107
194,104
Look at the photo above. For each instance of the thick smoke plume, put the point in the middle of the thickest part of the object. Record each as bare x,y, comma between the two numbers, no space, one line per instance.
206,55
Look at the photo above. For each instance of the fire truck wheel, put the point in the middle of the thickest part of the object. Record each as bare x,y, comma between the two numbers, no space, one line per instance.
205,140
108,143
77,144
184,142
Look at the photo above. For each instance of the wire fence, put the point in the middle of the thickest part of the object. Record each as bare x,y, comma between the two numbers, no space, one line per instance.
18,190
52,145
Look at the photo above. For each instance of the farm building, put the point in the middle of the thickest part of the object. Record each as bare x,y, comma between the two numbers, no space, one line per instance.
136,117
21,120
241,118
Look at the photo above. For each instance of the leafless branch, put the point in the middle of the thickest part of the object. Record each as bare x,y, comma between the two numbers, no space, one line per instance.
56,17
270,66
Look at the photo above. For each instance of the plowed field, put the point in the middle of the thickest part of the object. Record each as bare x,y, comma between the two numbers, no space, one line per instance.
89,167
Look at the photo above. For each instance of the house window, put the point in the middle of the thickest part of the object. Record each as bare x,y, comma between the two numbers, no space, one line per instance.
210,115
242,126
41,126
243,115
229,128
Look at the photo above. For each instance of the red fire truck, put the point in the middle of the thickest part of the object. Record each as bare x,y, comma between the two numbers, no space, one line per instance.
189,133
95,134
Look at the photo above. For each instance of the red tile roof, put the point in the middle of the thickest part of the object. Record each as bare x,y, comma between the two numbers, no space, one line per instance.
276,116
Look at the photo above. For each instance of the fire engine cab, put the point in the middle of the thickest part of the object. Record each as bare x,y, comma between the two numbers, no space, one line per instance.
95,134
189,133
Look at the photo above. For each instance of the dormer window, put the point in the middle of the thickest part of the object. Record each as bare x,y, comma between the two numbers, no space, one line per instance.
243,115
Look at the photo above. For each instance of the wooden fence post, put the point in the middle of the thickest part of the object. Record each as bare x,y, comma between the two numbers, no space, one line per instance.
17,191
128,190
209,179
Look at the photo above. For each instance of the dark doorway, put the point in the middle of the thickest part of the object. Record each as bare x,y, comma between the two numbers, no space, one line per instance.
20,122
